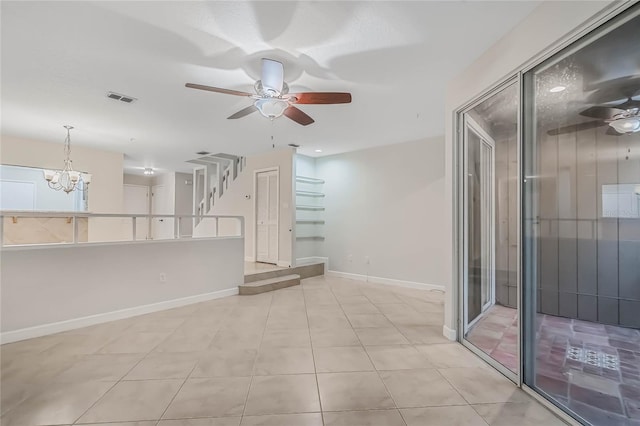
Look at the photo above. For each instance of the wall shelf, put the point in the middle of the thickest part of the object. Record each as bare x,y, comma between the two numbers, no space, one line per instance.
309,194
304,179
311,208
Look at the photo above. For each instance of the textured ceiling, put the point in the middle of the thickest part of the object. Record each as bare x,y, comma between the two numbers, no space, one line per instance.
59,59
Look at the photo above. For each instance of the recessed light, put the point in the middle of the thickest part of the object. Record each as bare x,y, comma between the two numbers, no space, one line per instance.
148,171
318,150
557,89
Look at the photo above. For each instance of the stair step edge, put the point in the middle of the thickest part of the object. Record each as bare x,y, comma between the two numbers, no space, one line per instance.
271,280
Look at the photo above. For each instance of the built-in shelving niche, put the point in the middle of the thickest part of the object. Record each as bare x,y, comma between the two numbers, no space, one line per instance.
309,208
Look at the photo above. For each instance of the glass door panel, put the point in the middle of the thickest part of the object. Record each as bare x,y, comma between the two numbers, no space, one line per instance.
582,226
490,311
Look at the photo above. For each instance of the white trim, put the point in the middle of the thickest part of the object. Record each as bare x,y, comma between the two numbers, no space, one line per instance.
283,263
449,333
386,281
72,324
255,208
249,259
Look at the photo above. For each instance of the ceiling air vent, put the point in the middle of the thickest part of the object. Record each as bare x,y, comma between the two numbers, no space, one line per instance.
203,153
121,98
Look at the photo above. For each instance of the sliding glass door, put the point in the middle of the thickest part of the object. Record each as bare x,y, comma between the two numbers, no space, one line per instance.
582,226
490,235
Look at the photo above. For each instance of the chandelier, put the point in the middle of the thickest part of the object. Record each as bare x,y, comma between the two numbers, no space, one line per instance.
67,179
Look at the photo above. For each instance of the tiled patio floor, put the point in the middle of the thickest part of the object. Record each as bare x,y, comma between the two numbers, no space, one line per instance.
592,368
496,333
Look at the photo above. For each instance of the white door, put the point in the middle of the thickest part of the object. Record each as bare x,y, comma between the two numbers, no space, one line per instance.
136,201
161,228
267,217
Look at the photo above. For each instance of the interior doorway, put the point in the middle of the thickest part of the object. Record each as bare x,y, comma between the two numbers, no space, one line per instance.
161,228
267,215
136,201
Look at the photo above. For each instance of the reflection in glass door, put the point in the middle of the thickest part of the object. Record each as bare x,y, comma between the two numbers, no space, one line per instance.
480,222
490,236
581,222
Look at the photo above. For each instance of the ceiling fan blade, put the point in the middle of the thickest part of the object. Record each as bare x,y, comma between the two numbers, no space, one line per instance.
576,127
601,112
217,89
628,104
322,98
298,116
272,75
243,112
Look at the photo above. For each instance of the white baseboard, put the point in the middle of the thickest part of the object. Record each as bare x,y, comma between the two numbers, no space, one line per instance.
249,259
386,281
72,324
283,264
449,333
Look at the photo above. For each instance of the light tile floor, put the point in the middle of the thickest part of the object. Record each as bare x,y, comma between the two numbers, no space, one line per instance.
329,352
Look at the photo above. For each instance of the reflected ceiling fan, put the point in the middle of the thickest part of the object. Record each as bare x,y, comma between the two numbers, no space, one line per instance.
622,118
272,98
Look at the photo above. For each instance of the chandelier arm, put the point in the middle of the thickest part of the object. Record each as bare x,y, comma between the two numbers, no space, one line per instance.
67,179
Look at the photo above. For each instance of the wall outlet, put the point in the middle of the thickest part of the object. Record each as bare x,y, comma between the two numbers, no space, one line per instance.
163,277
367,261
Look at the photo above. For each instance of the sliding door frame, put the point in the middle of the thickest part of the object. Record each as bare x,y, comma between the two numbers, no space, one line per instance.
470,125
460,169
607,14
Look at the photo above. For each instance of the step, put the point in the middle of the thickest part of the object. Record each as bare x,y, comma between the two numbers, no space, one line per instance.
270,284
305,271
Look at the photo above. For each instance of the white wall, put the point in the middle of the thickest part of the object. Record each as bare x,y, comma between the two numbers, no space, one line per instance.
546,25
110,277
105,190
234,202
386,203
129,179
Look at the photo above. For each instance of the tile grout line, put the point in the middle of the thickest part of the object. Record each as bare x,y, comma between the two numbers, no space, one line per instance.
255,361
176,394
313,356
124,375
369,357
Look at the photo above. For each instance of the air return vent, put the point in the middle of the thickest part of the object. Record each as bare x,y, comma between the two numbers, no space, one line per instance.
121,97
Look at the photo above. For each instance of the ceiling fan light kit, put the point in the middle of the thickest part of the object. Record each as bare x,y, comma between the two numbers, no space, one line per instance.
622,118
626,125
272,98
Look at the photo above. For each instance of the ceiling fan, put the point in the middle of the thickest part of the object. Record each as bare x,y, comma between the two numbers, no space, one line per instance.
272,98
622,118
